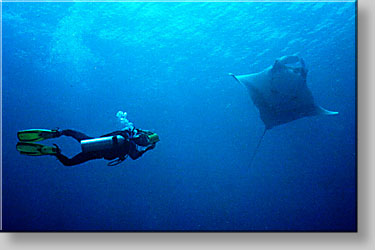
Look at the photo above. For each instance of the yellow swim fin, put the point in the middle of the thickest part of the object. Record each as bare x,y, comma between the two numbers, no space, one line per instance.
33,135
34,149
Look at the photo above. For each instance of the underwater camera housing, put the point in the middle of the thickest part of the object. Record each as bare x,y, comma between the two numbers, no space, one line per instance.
153,138
146,138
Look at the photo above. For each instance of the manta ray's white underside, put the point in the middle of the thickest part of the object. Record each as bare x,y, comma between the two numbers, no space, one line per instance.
280,92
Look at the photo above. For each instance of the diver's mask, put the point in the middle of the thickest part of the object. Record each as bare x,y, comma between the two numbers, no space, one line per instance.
145,138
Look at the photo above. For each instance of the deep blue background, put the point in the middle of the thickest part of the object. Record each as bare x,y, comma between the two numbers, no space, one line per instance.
74,65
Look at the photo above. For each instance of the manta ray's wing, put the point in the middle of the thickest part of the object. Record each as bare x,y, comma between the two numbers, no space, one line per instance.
280,92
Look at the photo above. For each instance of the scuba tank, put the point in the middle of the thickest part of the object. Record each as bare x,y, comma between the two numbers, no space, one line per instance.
102,143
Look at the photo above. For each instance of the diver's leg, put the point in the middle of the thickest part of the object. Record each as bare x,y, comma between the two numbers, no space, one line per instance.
78,159
75,134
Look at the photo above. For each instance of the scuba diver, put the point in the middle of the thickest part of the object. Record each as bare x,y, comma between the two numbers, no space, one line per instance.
115,146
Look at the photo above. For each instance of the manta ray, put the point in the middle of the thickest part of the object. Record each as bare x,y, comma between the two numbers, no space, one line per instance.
281,94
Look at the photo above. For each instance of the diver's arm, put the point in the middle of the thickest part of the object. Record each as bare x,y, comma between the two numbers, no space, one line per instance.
135,154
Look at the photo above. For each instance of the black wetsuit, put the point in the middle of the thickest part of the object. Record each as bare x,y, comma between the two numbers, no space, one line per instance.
121,151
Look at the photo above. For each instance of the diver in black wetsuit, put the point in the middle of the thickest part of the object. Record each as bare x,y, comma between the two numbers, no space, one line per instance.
115,146
133,139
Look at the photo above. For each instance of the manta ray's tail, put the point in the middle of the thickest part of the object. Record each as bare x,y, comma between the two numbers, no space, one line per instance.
257,147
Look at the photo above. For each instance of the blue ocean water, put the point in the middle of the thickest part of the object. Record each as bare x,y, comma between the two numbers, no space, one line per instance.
75,65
